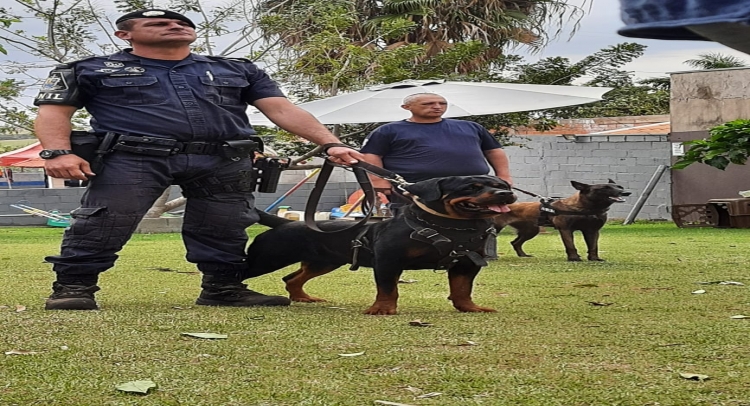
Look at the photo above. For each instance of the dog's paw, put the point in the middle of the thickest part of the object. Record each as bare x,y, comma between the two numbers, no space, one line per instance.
596,259
475,309
574,259
380,310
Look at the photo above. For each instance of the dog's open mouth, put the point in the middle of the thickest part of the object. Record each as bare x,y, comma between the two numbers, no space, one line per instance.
617,199
490,208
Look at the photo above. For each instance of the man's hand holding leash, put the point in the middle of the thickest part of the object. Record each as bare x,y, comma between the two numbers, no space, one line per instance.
342,154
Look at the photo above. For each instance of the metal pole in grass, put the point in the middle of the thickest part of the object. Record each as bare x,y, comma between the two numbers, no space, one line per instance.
293,188
644,196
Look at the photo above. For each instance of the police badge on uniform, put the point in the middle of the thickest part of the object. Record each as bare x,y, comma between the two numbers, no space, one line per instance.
55,82
135,69
114,64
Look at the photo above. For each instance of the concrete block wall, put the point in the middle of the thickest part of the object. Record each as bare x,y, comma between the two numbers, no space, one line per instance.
546,165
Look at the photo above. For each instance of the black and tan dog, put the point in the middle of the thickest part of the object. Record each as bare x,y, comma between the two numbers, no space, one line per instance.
585,211
444,228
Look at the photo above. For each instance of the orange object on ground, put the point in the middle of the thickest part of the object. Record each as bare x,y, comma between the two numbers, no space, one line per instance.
358,193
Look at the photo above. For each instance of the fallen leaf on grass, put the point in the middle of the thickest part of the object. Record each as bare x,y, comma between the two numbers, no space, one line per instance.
4,307
136,386
162,269
694,377
467,344
354,354
20,352
721,283
64,347
20,308
181,308
698,292
413,389
740,316
210,336
385,402
429,395
407,281
419,323
599,303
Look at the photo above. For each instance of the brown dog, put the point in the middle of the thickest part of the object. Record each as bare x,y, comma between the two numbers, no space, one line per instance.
585,211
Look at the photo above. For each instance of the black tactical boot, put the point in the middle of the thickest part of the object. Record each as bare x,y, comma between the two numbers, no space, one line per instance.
218,291
72,297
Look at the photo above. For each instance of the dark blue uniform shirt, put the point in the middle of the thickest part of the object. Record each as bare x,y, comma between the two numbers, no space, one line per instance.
421,151
200,98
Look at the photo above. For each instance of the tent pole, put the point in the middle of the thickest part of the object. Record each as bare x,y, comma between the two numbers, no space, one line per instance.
7,179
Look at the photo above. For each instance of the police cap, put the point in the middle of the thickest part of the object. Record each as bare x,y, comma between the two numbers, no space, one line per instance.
154,13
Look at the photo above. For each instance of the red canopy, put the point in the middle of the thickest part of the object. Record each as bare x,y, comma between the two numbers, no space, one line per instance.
27,156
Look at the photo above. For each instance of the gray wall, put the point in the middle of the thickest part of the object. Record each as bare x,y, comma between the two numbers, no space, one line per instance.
544,165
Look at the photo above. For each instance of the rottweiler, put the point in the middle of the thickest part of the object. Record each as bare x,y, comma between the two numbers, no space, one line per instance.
585,211
443,228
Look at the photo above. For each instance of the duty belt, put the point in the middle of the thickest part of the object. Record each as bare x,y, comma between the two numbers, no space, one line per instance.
157,146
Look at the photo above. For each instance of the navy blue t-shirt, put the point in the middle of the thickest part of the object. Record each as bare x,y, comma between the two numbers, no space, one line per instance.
420,151
200,98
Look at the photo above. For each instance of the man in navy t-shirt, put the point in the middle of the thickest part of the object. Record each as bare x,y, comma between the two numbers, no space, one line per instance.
426,145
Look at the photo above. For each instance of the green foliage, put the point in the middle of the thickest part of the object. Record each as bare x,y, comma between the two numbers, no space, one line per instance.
5,21
716,60
728,143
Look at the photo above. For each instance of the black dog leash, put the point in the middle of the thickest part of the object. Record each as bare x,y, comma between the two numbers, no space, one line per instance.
368,203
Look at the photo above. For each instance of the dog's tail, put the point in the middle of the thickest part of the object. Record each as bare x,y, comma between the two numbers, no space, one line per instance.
270,220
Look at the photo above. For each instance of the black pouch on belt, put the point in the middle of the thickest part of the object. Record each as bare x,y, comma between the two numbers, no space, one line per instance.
238,149
84,144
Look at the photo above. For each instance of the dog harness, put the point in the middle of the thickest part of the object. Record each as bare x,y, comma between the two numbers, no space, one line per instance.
451,250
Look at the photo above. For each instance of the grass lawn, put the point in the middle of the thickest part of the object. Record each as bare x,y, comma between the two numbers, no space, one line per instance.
613,333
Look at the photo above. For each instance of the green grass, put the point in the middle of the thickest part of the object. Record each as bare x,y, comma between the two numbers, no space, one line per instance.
546,345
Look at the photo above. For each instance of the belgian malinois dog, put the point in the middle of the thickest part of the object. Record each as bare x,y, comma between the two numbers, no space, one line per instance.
585,211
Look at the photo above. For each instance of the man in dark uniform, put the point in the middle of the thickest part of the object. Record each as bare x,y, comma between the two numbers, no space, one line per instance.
177,118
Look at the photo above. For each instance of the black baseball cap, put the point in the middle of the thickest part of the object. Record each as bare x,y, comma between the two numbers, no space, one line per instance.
154,13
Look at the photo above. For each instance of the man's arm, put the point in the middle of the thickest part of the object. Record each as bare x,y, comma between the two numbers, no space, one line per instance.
380,184
299,122
499,162
52,127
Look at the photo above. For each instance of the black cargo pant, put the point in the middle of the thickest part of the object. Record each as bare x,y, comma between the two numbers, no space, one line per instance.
214,227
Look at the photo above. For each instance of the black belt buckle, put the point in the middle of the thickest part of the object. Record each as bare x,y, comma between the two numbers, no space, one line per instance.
146,145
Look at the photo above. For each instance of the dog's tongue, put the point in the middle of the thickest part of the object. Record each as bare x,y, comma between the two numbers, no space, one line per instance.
499,209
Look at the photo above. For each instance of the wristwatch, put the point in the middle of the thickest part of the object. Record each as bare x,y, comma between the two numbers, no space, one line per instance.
53,153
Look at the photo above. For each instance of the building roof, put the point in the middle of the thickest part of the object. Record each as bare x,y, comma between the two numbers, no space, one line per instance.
648,129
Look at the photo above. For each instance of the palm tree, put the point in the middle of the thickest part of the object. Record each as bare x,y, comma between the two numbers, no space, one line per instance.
716,61
437,25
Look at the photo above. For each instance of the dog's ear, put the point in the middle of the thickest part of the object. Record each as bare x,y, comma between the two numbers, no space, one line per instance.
611,181
579,185
427,190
